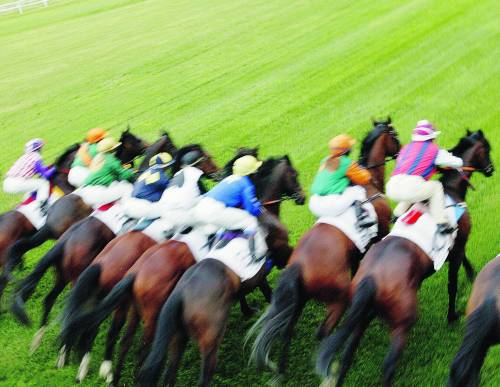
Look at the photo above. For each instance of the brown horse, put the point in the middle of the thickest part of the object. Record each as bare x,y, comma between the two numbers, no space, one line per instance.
15,226
483,327
273,171
392,271
70,209
321,264
74,251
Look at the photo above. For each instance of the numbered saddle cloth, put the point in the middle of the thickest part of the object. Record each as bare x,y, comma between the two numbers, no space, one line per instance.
30,208
347,223
112,216
236,254
419,227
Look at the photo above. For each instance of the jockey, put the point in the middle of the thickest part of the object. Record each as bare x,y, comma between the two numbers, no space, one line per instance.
416,163
21,176
232,204
87,151
332,193
108,179
149,187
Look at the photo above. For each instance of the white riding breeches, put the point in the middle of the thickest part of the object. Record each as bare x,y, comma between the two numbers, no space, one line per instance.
77,176
335,205
139,208
409,189
213,212
17,185
97,195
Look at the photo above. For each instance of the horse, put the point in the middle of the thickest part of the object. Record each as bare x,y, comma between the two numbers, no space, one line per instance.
15,226
321,264
199,305
151,279
483,327
392,271
69,209
71,255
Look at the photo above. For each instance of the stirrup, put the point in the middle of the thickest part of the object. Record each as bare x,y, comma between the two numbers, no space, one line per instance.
445,228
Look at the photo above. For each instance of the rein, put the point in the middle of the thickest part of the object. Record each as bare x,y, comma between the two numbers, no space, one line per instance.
382,163
282,199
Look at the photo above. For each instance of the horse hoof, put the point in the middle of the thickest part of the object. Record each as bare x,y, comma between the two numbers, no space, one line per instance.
37,339
249,312
320,333
61,360
328,382
452,317
105,370
84,368
276,381
17,309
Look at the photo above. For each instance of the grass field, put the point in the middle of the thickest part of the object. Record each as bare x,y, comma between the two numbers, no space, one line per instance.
284,75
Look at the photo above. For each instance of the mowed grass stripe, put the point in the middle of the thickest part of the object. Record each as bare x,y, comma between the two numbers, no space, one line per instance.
283,75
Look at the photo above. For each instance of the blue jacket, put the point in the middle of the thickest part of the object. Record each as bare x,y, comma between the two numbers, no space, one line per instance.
237,191
151,184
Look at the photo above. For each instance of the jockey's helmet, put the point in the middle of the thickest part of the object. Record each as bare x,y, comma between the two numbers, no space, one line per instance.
34,145
162,160
191,158
424,131
246,165
107,144
340,145
96,135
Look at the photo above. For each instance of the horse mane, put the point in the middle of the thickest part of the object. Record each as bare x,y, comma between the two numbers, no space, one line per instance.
369,140
62,158
157,146
227,169
467,141
261,177
181,152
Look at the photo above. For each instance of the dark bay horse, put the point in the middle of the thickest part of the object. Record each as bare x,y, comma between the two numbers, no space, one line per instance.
483,327
71,255
200,303
392,271
170,262
69,209
15,226
321,264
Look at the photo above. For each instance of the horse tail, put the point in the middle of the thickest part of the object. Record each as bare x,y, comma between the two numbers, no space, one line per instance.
279,316
86,286
93,318
168,323
28,285
470,357
362,304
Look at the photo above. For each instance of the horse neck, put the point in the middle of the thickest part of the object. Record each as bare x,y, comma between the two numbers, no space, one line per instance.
453,183
375,157
272,191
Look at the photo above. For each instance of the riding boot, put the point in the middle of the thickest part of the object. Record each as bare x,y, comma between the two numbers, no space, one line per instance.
44,207
445,228
250,235
362,215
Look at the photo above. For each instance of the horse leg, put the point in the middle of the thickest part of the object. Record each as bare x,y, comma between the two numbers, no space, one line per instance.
452,286
398,341
119,319
350,349
246,310
266,290
469,269
287,338
177,348
125,345
48,303
85,343
334,312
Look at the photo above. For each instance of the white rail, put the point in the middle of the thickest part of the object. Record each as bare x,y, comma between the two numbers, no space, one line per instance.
21,5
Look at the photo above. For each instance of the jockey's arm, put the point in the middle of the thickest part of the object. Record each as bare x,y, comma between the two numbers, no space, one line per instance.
250,202
358,175
45,171
123,173
83,153
446,159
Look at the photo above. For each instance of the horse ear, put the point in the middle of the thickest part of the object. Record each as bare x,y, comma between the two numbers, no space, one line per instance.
468,132
287,158
389,120
480,131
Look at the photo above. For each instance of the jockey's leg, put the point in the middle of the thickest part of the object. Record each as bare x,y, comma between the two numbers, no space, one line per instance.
77,176
436,204
335,205
401,208
137,208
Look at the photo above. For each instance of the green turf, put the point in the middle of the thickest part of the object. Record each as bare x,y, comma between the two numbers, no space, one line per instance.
284,75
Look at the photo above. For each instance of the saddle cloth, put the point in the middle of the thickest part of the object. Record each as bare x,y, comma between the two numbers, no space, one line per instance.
113,217
197,241
237,256
424,231
31,210
347,223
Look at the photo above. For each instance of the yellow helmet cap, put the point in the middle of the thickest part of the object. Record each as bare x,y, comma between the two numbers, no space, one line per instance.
246,165
107,144
163,159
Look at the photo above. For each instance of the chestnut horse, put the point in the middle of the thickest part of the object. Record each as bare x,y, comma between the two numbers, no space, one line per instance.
392,271
321,264
483,327
276,172
68,210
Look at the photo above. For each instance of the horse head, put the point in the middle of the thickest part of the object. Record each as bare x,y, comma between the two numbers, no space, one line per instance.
382,132
205,162
474,149
227,169
131,147
163,144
